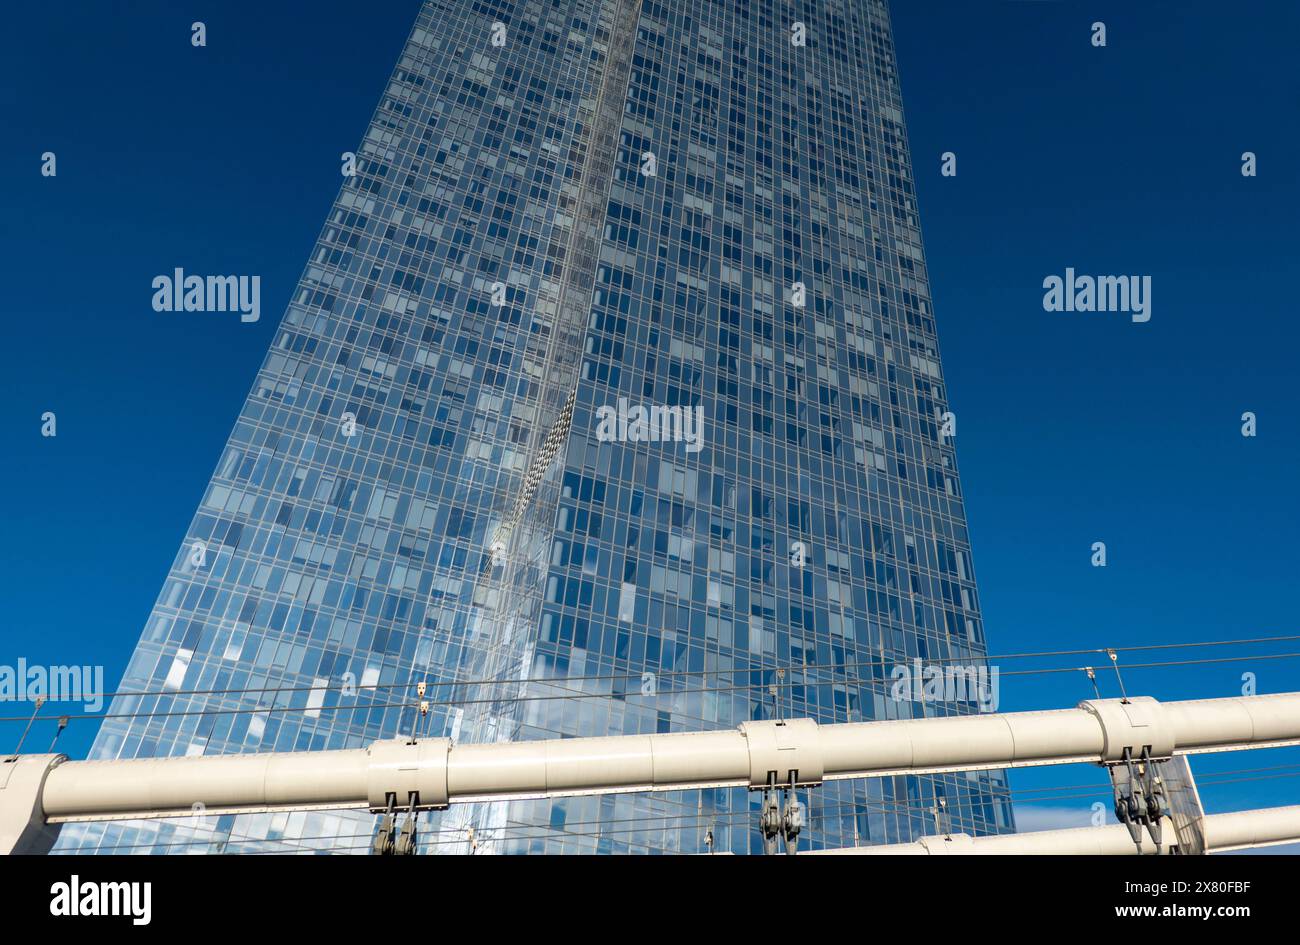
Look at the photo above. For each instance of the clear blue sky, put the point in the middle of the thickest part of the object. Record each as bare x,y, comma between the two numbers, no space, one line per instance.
1072,428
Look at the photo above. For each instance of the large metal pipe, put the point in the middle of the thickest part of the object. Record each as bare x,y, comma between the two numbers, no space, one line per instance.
434,773
1252,828
1223,832
162,787
1249,721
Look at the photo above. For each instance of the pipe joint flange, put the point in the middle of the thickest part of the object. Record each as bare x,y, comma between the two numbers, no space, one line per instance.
402,774
1134,724
783,753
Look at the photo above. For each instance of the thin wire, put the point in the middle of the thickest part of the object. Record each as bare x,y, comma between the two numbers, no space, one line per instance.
1020,796
1199,662
670,674
606,695
221,838
648,824
507,832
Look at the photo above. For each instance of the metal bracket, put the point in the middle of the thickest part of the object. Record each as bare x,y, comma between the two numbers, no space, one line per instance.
777,821
388,842
382,845
1140,800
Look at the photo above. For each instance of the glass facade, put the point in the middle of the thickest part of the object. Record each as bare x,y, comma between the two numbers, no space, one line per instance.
563,210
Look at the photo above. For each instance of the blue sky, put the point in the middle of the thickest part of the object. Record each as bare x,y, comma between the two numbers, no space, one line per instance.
1072,427
1076,427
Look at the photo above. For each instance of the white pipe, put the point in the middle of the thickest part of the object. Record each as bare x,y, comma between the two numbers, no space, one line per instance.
1223,832
161,787
438,773
1252,828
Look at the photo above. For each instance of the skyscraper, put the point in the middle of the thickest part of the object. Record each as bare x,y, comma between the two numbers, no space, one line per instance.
609,402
